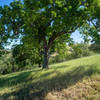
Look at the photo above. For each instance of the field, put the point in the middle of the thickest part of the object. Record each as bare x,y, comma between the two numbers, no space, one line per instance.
72,80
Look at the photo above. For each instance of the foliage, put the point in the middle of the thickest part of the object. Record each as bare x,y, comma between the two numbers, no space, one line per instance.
80,50
44,23
72,52
95,48
92,27
2,52
19,59
25,56
90,31
7,64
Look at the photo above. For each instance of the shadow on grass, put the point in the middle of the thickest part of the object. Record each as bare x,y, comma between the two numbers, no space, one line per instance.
15,80
40,88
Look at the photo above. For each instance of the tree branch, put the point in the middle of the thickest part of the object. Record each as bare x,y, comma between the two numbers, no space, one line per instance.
54,36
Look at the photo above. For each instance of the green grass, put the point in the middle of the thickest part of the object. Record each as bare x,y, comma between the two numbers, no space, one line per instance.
62,78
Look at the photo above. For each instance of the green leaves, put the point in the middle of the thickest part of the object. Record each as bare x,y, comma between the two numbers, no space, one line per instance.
54,14
59,3
65,9
51,1
45,23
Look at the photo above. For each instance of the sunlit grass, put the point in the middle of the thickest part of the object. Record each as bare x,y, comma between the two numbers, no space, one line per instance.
60,77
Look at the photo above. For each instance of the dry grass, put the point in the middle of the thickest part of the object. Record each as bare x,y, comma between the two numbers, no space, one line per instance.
87,89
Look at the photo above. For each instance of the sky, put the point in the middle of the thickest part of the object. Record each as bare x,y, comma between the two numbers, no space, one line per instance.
75,35
5,2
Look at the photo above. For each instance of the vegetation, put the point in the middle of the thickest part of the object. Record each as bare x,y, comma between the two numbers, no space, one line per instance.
95,47
46,24
22,57
72,52
62,80
43,30
7,63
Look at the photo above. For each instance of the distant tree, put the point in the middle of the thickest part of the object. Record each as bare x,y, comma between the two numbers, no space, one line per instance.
80,50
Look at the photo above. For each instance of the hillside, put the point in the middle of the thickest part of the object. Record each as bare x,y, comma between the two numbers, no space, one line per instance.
72,80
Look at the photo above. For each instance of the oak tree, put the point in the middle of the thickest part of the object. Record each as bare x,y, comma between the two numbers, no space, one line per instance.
45,23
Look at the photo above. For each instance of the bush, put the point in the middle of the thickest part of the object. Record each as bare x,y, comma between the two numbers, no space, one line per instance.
57,58
95,48
7,64
80,50
75,51
26,56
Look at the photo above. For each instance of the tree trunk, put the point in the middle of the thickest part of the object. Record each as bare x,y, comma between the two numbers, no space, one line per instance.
45,58
39,65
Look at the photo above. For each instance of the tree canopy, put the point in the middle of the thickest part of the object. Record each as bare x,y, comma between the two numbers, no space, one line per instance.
45,23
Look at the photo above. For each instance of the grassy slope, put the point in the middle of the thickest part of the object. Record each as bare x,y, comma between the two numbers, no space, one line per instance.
75,80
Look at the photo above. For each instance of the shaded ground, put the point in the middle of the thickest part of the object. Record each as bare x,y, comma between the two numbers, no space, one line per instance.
40,84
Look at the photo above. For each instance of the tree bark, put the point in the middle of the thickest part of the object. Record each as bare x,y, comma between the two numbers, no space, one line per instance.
45,58
39,65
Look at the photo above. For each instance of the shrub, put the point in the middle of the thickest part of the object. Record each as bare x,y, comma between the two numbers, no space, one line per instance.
7,64
80,50
95,47
75,51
